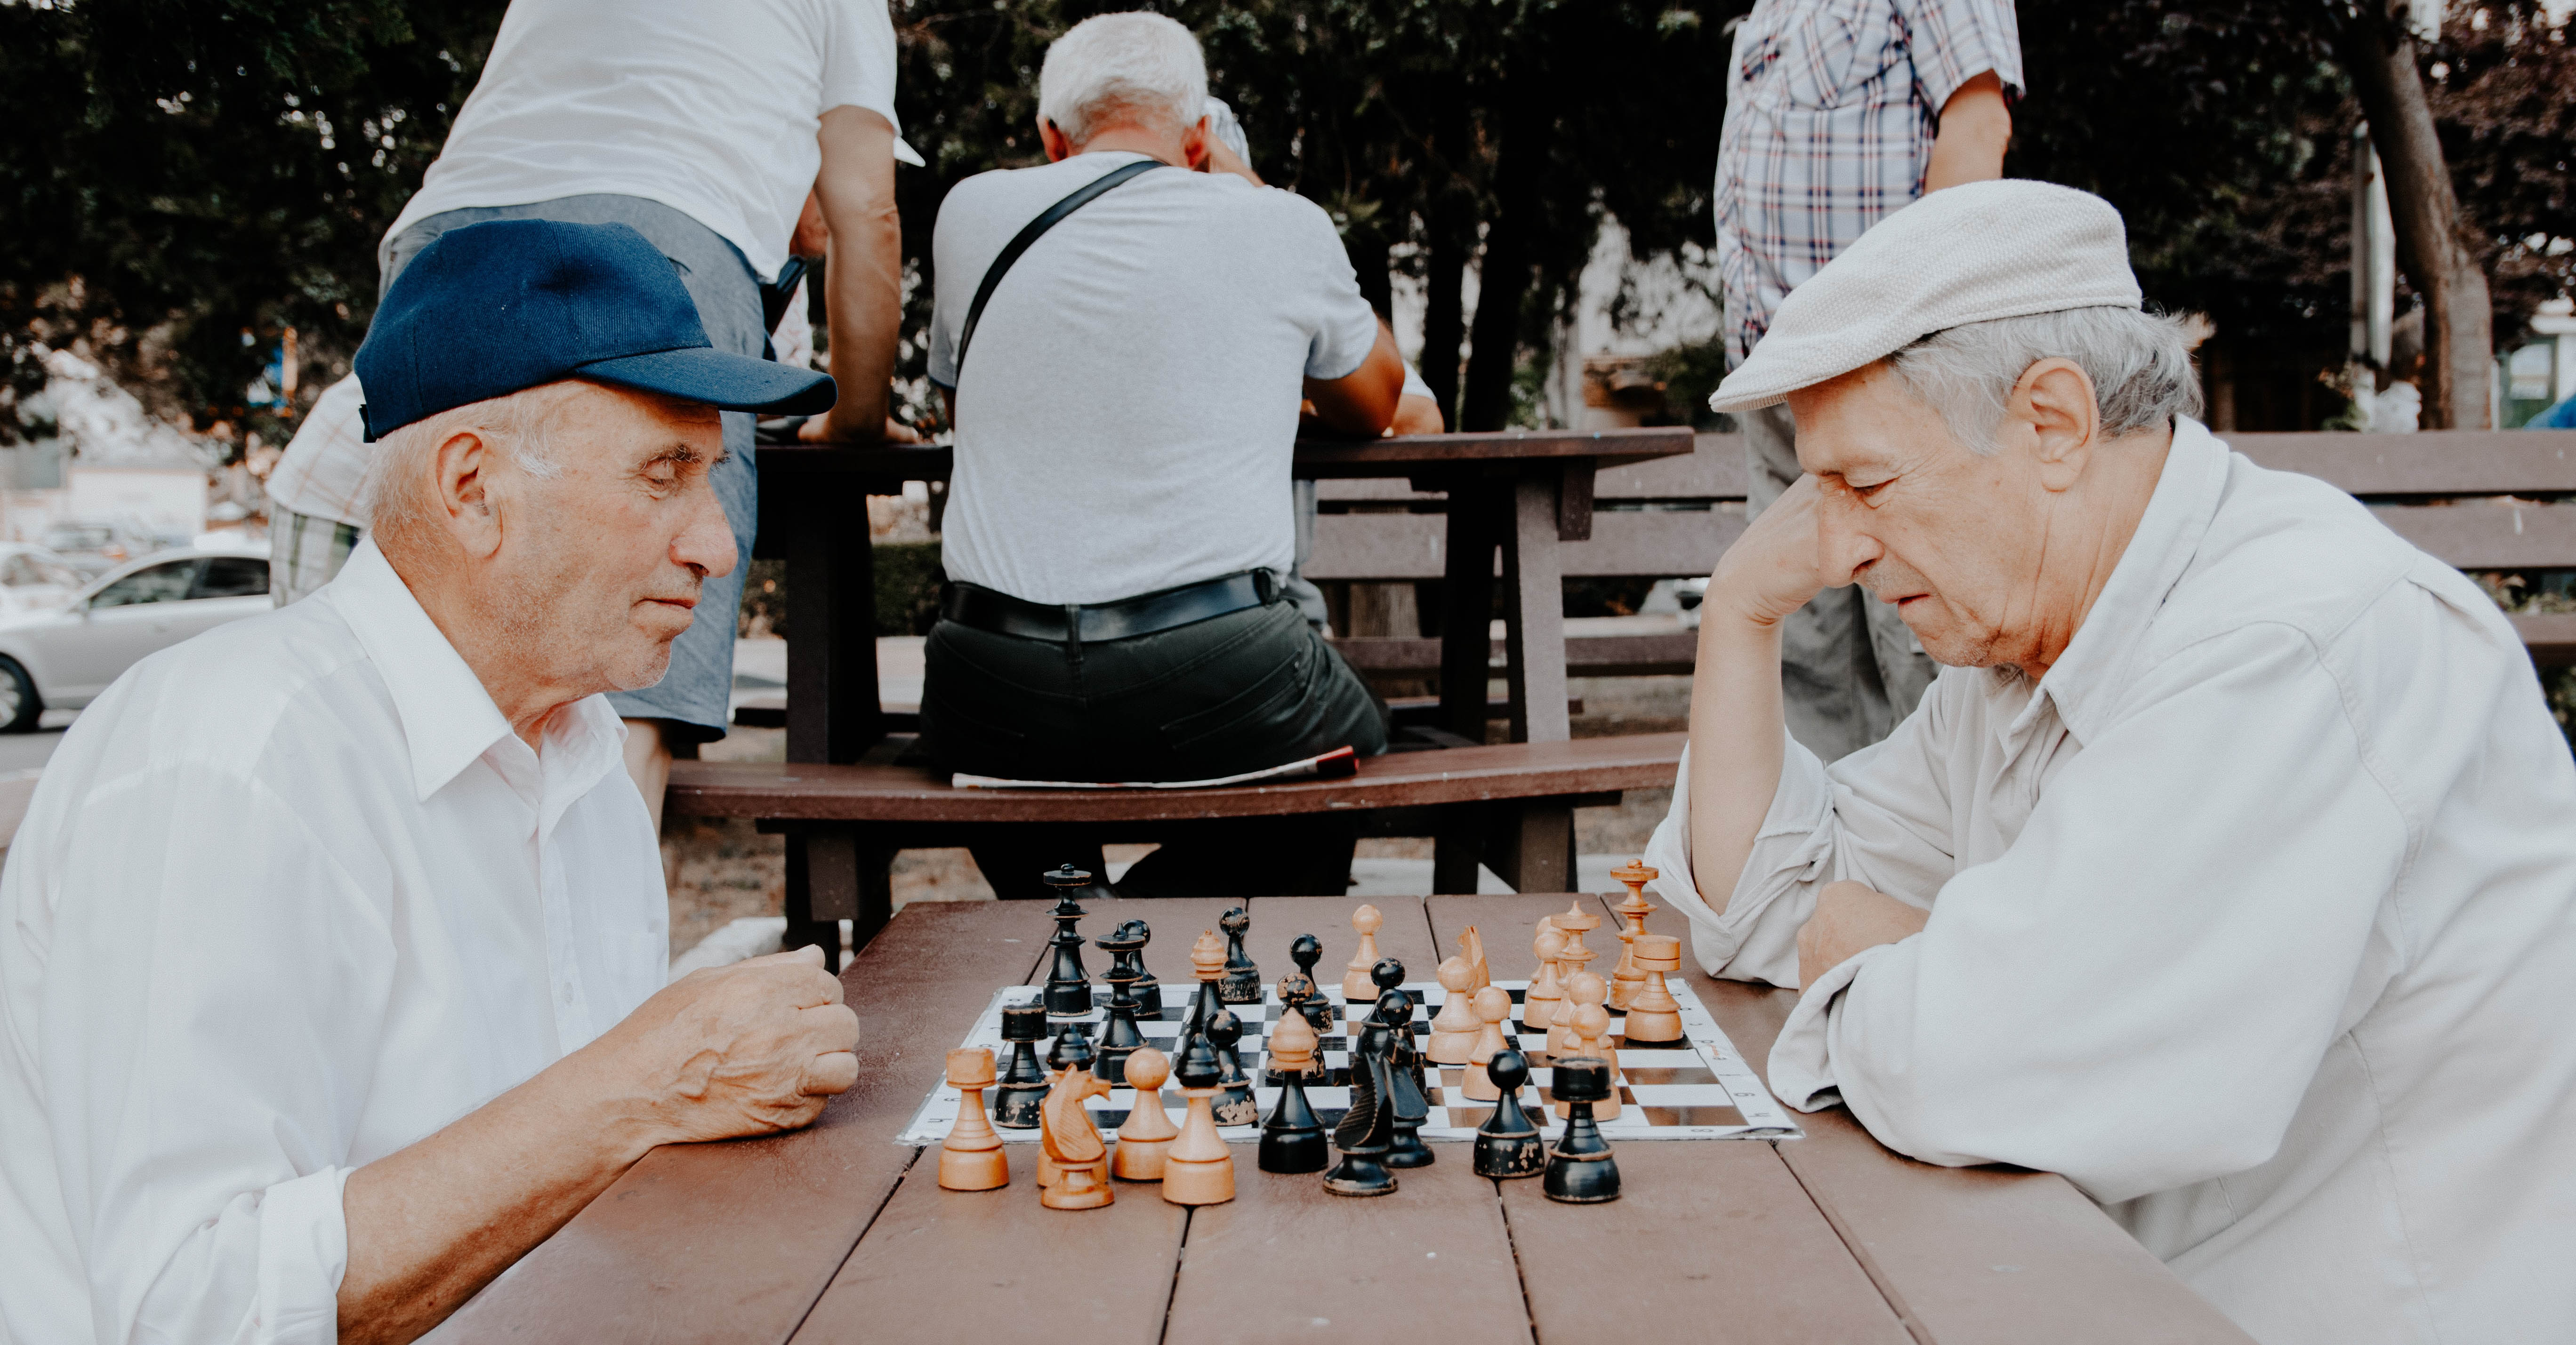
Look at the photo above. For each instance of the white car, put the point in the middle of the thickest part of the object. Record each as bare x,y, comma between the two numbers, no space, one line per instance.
63,658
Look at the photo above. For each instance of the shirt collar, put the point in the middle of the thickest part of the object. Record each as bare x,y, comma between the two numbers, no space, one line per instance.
448,717
2085,680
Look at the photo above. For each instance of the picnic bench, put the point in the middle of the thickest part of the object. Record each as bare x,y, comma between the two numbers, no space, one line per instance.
837,1233
1510,502
2478,499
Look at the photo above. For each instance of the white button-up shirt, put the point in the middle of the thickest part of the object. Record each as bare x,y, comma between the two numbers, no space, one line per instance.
290,897
2255,917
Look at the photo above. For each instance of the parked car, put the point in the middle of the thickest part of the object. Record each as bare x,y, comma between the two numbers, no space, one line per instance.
95,546
35,579
63,658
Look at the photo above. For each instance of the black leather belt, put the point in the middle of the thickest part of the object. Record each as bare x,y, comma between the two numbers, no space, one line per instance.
991,610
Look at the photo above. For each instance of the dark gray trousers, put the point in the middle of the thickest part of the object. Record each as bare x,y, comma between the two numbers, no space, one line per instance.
1234,693
1850,671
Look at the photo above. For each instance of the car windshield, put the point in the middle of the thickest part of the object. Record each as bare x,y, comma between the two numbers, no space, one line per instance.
165,582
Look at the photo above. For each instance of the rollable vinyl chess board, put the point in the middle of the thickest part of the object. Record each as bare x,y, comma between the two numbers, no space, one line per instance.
1698,1089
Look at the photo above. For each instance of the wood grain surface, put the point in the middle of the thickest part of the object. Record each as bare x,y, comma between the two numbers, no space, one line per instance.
837,1234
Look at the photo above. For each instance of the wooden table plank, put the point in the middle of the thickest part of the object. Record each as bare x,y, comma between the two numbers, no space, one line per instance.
1287,1260
1277,921
1718,1234
734,1241
1989,1254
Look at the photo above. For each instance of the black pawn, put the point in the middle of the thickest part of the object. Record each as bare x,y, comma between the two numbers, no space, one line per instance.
1148,990
1580,1170
1241,983
1292,1140
1068,987
1404,1075
1234,1105
1306,952
1508,1143
1386,975
1367,1130
1072,1048
1021,1087
1118,1037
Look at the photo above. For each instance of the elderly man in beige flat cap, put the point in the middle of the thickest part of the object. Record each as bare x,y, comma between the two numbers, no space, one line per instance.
2228,867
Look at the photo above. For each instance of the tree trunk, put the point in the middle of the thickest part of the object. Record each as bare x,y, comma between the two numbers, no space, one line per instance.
1503,281
2459,354
1444,302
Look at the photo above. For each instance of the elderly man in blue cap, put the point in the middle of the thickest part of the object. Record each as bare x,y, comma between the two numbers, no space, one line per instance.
332,960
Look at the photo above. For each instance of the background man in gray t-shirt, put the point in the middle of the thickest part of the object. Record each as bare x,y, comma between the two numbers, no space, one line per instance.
1120,515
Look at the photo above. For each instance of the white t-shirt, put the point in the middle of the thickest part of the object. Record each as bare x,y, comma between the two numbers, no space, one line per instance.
710,109
1130,403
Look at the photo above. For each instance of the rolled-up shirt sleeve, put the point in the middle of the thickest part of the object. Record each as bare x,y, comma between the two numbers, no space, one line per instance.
203,1083
2138,991
1879,816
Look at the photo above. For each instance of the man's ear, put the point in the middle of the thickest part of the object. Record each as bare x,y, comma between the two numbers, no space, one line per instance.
466,500
1059,147
1194,146
2052,414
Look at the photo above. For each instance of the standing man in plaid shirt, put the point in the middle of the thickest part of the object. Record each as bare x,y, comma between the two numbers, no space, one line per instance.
1837,113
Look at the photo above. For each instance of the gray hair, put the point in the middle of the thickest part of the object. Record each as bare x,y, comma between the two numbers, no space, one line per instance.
400,488
2140,364
1122,67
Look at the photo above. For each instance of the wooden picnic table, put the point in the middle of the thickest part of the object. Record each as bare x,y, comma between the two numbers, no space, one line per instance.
836,1233
1519,493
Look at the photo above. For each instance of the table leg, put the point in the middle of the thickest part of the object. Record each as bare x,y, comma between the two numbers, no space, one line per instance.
1467,606
1534,613
834,875
833,707
1533,847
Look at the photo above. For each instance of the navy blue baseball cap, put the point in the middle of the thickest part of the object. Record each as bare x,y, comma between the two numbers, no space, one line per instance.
494,308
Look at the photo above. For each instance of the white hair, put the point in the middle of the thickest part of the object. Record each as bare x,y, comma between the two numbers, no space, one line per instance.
2140,364
1131,67
403,486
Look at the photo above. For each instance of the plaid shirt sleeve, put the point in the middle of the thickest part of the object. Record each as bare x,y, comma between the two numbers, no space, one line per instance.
1954,41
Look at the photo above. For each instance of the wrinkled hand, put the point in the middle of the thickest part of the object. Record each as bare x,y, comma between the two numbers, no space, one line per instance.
1776,565
1849,918
741,1050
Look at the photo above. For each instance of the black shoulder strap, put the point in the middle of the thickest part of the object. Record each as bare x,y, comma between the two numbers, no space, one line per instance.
1054,215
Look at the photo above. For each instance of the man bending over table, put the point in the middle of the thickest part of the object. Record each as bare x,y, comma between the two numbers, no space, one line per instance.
1120,521
2228,867
332,968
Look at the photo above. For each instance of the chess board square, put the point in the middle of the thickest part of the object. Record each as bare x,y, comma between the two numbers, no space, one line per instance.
1691,1116
1649,1074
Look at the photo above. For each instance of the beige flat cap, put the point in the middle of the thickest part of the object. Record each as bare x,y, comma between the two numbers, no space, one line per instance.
1970,253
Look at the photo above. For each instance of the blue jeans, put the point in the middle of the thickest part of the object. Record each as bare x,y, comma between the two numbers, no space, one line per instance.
696,694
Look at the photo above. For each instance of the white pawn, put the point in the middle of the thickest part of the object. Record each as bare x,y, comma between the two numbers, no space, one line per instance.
1453,1031
1493,1004
1538,1003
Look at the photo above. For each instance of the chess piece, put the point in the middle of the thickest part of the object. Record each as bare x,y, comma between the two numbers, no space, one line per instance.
972,1159
1654,1016
1493,1004
1198,1169
1296,994
1147,990
1592,1034
1306,952
1471,945
1404,1071
1355,975
1292,1140
1628,978
1068,988
1538,1003
1508,1144
1241,983
1234,1104
1574,924
1453,1032
1367,1130
1580,1170
1074,1145
1022,1087
1207,963
1118,1036
1071,1051
1148,1132
1562,1039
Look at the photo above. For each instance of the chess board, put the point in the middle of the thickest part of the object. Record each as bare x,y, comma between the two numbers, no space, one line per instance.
1700,1088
